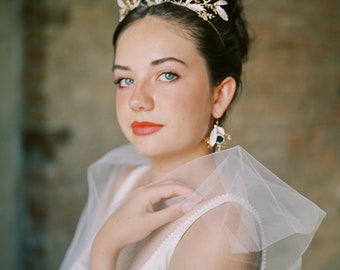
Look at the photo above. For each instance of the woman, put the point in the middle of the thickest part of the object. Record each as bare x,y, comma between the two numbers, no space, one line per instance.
172,200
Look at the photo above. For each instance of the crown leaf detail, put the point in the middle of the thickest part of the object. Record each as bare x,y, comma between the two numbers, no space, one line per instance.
206,9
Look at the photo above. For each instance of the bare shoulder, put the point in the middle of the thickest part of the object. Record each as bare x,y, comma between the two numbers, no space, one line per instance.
206,246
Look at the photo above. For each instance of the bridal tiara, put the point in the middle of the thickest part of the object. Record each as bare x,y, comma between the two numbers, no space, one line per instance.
206,9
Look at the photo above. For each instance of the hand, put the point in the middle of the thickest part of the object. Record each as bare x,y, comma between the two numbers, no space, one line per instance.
135,220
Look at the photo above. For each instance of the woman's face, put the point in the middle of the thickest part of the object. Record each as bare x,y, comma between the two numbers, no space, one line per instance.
163,98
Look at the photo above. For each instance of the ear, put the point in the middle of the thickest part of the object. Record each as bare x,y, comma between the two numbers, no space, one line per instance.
223,95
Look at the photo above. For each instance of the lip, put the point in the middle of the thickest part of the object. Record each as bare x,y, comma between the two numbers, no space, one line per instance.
145,128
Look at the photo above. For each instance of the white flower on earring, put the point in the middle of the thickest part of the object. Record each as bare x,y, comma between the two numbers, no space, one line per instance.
216,135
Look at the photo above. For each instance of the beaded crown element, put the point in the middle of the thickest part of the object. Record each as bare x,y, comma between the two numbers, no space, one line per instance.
206,9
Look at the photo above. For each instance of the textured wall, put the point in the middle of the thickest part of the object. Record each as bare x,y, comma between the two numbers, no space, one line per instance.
289,114
69,118
10,153
287,117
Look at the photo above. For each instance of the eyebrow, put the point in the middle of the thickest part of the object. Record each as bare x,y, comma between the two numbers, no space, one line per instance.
167,59
119,67
153,63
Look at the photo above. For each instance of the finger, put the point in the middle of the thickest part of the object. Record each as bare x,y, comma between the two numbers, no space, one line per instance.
166,215
184,203
165,191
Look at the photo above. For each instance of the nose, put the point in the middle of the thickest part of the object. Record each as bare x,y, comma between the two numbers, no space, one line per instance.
141,98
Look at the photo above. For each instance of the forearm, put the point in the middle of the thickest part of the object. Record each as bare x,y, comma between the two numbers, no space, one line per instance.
102,257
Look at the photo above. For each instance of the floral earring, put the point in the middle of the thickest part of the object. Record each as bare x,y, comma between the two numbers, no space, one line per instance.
217,137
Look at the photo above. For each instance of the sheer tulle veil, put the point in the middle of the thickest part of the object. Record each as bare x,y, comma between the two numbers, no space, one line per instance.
236,197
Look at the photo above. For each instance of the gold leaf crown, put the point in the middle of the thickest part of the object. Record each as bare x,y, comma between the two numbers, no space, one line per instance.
206,9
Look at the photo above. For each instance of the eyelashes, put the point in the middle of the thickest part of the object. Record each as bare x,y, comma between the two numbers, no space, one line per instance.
123,82
166,76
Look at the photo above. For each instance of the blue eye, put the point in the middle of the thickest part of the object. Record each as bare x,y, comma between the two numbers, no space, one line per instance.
168,76
124,82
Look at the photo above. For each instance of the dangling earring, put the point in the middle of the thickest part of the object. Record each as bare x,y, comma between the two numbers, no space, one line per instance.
217,137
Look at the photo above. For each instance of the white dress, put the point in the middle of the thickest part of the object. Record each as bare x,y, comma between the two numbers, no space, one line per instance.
273,220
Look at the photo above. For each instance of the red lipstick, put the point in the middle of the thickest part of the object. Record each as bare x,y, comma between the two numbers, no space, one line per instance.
144,128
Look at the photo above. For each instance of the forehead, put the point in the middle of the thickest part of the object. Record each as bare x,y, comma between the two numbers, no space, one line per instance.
152,38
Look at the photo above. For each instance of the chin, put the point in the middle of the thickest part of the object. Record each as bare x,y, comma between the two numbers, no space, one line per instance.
146,150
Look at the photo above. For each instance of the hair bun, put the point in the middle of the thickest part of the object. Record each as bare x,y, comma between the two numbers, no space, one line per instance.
239,26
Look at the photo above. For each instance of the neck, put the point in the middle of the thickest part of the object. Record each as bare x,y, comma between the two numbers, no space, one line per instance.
162,165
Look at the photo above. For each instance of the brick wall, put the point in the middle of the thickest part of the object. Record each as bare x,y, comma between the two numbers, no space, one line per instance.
67,74
287,116
40,142
10,153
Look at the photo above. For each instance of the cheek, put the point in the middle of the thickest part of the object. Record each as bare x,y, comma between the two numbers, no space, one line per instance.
199,102
200,109
121,101
120,108
194,110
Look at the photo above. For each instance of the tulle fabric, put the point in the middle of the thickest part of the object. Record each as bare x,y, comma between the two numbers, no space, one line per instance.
251,209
